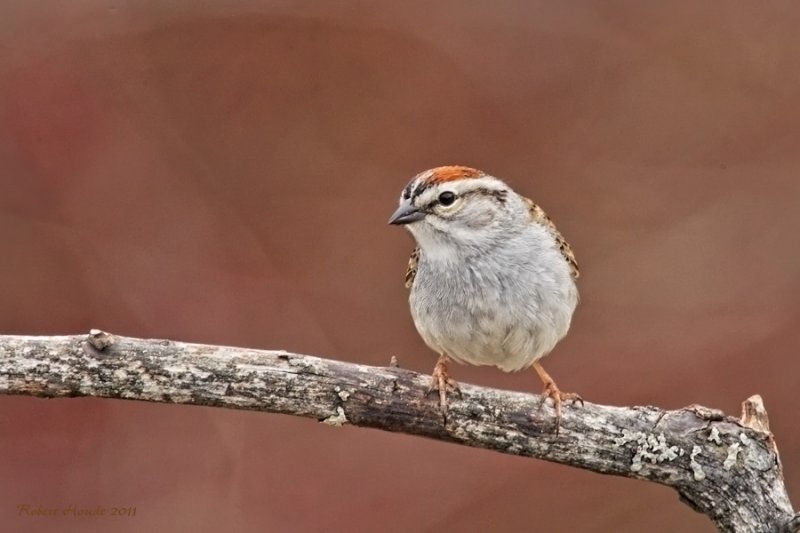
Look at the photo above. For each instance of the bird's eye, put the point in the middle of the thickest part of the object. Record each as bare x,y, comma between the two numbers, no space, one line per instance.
447,198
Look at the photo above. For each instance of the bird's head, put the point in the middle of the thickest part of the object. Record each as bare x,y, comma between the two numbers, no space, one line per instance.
457,207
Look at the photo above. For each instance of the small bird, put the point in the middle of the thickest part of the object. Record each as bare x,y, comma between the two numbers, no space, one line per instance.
492,280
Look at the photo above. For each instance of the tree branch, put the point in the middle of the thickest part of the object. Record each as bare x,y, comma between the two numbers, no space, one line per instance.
724,467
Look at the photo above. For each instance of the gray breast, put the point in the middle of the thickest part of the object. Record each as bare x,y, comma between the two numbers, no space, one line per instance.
494,309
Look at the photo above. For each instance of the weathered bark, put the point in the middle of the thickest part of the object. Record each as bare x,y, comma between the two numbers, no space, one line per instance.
724,467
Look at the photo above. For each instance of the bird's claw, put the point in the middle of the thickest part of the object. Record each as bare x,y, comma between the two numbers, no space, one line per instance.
442,383
553,392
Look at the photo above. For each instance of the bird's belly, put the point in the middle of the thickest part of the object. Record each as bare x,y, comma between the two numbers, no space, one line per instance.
507,332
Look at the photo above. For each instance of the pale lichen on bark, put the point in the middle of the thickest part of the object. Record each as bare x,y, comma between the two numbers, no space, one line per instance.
724,467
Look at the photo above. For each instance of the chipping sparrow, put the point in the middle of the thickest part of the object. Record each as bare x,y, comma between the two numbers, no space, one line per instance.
492,280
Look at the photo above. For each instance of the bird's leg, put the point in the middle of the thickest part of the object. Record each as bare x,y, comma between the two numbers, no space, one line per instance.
442,382
551,390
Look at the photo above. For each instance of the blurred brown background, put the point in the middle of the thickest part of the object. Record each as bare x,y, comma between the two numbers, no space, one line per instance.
223,173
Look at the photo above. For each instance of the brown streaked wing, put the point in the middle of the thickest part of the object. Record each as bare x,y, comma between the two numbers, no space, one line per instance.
538,215
411,271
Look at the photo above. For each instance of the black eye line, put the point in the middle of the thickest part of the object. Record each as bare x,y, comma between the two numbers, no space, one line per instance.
499,195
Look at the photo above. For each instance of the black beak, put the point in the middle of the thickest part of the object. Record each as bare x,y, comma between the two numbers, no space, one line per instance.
406,214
